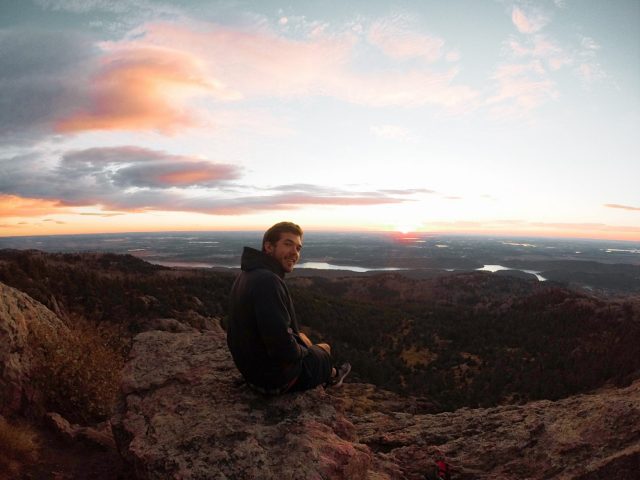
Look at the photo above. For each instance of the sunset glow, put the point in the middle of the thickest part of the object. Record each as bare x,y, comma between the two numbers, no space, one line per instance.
497,117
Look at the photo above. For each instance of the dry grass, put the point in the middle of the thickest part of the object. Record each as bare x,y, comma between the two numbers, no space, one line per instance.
78,371
18,445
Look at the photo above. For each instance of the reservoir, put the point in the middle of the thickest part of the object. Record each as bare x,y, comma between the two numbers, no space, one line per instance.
329,266
495,268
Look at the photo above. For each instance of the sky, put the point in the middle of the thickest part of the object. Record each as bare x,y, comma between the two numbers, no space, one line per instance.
497,117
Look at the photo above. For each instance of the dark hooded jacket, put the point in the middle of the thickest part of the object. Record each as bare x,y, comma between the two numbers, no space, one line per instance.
262,332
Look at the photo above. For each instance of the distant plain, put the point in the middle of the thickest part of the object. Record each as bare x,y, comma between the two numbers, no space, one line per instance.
605,266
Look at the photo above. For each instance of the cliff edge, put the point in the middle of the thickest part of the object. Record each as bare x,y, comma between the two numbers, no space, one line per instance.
185,413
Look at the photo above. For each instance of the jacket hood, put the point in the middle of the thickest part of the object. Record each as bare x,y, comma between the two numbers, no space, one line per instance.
253,259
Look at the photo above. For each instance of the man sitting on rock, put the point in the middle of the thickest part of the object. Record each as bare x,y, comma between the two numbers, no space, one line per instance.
267,346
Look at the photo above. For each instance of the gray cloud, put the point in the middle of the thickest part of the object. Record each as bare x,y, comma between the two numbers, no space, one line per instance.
622,207
120,7
41,79
141,167
408,191
100,175
131,178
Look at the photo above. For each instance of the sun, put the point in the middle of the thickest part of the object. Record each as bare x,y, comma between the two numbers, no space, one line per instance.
406,228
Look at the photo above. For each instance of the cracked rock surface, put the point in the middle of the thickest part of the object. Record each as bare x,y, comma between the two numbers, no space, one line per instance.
186,414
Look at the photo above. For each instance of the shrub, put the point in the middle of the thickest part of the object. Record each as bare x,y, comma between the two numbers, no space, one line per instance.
17,446
77,370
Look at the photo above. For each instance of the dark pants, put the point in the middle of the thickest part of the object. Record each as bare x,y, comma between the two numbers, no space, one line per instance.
316,370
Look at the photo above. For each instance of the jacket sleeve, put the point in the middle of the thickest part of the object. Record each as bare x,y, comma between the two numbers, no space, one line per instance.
274,322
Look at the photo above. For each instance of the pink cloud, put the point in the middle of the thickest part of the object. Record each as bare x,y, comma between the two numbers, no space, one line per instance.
397,41
259,61
529,22
521,87
543,48
409,89
262,63
149,81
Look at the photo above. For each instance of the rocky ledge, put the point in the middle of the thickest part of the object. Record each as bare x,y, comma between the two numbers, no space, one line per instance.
186,414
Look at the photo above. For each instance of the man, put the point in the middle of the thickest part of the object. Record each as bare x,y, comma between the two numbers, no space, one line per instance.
263,335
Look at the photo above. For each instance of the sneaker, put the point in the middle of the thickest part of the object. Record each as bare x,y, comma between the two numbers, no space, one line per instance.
341,374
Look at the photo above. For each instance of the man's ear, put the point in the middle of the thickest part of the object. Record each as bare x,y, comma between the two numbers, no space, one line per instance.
268,248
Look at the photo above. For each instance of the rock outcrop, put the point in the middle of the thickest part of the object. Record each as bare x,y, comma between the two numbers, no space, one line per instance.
19,315
574,438
185,413
100,436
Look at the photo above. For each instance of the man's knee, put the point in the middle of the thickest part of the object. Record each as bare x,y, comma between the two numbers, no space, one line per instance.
325,346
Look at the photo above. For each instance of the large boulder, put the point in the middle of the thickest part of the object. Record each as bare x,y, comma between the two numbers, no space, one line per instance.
186,414
20,316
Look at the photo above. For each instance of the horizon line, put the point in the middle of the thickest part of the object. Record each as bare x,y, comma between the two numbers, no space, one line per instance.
339,231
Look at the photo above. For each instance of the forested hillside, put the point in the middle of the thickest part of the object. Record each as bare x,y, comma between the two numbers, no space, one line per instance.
118,289
474,339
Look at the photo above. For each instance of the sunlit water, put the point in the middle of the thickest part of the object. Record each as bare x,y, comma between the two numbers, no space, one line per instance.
329,266
495,268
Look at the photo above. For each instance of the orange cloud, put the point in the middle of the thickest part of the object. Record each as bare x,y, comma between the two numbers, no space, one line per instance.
14,206
539,229
142,88
186,178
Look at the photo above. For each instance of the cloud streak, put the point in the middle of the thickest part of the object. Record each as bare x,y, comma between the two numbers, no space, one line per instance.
622,207
134,179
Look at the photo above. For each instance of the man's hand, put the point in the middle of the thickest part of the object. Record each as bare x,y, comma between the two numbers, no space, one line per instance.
308,343
325,347
305,339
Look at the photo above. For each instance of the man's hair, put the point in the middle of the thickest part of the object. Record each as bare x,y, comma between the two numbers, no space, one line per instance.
273,234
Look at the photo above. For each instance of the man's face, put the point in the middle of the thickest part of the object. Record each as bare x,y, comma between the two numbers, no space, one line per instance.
286,250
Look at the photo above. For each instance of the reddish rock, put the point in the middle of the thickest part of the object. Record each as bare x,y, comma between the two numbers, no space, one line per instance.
186,414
